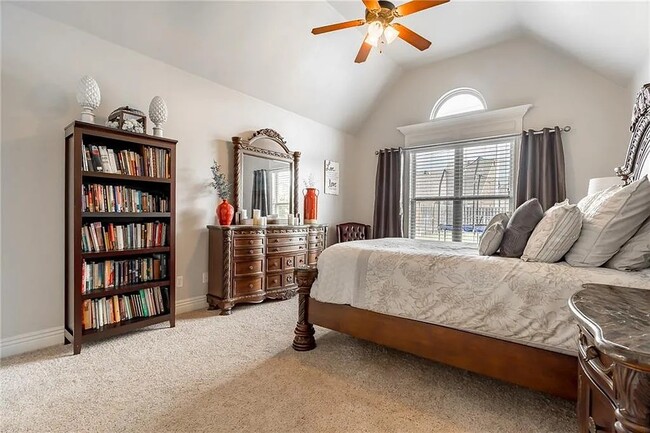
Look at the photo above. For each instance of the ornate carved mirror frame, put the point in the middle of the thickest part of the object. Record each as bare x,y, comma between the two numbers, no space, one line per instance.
265,143
638,151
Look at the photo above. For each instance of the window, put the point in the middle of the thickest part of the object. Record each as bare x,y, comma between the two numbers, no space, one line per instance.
458,101
280,192
454,190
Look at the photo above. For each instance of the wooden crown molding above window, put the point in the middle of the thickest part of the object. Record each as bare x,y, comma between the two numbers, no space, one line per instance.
504,121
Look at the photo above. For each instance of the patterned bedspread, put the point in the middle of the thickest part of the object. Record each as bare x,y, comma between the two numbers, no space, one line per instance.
449,284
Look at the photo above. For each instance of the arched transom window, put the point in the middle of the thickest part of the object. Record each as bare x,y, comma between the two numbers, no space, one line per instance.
458,101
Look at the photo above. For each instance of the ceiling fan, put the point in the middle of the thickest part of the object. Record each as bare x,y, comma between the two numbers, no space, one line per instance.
381,30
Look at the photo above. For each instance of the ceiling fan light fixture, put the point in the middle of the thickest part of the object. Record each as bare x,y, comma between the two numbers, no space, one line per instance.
372,40
390,33
375,29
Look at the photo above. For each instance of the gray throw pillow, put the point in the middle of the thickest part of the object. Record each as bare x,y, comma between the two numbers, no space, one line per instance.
610,222
635,254
521,225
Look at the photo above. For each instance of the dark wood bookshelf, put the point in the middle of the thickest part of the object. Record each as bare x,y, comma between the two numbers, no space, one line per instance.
120,290
116,215
78,134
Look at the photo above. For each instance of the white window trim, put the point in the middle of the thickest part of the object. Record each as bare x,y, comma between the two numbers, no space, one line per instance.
467,126
460,91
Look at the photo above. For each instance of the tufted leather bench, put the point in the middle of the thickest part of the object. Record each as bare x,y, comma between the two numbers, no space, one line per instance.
352,232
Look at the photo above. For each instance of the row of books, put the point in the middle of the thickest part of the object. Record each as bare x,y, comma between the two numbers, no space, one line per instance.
117,308
97,237
109,274
155,163
111,198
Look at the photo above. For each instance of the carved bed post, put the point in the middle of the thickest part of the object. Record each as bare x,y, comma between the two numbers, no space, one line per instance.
304,339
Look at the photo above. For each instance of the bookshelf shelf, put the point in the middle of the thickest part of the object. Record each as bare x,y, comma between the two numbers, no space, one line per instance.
115,215
125,253
111,148
124,327
94,294
118,177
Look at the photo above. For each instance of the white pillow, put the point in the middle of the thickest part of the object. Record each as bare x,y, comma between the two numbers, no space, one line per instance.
635,254
491,238
555,234
610,221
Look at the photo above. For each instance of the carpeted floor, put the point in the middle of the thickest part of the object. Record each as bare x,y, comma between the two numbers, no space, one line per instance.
238,373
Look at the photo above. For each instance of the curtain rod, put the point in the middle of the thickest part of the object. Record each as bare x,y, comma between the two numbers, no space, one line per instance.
495,137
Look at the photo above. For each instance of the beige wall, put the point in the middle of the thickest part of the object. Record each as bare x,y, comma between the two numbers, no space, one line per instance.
42,62
523,71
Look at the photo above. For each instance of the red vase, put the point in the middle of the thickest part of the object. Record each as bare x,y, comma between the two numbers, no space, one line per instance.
225,212
311,205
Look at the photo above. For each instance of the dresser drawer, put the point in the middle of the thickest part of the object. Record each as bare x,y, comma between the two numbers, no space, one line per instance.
312,258
287,249
249,267
301,260
274,281
287,279
316,245
287,240
289,262
248,252
247,286
248,242
273,264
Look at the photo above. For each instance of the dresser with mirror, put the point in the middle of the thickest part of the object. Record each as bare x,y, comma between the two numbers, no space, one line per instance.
250,263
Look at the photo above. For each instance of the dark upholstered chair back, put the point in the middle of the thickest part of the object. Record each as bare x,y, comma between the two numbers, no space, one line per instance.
352,232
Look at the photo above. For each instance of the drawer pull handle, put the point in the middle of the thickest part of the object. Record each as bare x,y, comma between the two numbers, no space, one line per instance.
250,267
251,242
301,247
251,251
276,241
250,286
275,250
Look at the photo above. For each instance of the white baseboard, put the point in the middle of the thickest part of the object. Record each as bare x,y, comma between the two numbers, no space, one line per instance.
31,341
54,336
191,304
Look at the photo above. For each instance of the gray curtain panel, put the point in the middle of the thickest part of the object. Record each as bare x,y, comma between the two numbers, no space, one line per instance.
541,168
387,221
260,192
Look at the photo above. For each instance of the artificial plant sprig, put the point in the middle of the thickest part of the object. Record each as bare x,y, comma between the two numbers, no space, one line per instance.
220,182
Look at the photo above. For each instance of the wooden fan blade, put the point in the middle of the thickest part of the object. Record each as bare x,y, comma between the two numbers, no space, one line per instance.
371,5
362,55
339,26
411,37
416,6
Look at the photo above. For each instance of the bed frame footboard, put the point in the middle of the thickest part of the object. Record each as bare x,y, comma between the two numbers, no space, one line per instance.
304,332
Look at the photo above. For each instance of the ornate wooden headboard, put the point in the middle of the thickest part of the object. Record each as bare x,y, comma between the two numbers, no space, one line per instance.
637,161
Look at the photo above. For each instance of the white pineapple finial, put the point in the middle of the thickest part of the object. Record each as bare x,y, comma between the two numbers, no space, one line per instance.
158,114
89,97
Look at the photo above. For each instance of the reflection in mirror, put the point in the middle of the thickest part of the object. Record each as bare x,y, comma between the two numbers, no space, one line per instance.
266,185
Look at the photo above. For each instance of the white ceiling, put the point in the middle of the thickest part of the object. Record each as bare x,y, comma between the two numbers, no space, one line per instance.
265,48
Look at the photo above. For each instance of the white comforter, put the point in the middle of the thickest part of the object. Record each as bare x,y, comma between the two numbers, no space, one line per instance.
449,284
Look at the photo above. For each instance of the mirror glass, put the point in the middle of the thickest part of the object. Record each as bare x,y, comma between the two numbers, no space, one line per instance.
266,184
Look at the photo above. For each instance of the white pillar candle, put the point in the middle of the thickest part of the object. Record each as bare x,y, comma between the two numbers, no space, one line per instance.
290,219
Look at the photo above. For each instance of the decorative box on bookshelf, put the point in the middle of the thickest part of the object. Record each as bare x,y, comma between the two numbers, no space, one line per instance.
120,232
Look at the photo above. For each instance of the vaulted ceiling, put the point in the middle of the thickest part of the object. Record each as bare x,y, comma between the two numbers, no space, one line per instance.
265,48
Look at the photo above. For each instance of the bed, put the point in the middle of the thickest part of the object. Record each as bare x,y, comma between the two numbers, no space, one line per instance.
495,316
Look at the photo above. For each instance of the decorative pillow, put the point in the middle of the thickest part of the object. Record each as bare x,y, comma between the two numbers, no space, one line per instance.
555,234
635,254
609,222
521,225
491,239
